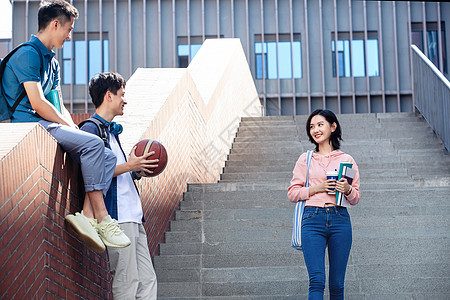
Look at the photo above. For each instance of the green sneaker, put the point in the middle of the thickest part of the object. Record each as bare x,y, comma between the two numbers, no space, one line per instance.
111,234
85,230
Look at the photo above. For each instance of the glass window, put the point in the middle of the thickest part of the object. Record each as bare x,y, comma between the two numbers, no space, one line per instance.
282,60
358,59
259,59
372,58
84,67
343,52
184,58
433,47
297,60
183,54
80,65
359,62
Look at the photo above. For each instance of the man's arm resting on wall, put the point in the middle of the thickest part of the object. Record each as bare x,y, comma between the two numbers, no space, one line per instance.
44,108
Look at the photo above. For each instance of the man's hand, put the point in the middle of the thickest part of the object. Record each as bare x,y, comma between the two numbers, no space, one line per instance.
139,164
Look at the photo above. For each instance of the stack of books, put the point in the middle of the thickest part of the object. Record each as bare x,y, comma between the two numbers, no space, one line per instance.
345,171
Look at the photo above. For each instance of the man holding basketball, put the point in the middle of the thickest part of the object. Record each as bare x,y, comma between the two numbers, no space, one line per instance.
131,267
34,68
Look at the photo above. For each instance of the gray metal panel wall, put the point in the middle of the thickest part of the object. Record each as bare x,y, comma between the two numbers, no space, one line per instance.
144,33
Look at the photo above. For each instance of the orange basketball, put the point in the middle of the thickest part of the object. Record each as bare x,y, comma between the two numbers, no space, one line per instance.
148,145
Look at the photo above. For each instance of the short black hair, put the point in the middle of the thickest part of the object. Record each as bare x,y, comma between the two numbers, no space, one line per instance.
102,83
50,10
331,118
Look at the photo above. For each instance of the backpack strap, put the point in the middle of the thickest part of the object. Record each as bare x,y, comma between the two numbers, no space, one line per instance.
3,66
102,133
308,163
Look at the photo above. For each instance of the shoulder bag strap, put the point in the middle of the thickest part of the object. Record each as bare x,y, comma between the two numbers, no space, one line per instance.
24,92
2,70
308,163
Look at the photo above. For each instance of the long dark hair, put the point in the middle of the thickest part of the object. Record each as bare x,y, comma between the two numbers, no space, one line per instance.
335,138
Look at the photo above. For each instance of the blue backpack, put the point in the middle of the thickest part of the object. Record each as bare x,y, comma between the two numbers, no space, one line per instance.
5,110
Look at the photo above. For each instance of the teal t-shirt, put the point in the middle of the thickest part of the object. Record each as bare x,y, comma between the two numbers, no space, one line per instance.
23,66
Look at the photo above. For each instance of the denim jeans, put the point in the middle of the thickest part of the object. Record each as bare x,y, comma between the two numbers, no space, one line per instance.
322,227
97,162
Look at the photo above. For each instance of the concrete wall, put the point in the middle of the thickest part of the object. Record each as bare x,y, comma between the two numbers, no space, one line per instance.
194,112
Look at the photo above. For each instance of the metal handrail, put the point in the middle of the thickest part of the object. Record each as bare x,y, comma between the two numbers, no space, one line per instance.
431,93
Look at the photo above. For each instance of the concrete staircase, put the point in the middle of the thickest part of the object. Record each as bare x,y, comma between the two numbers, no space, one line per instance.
231,240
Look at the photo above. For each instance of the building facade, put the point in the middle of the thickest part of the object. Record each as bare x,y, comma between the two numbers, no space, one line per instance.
347,56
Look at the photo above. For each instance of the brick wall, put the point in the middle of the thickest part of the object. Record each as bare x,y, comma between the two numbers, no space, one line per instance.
194,112
39,258
79,117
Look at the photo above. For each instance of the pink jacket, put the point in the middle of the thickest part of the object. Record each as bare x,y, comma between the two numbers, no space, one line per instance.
318,168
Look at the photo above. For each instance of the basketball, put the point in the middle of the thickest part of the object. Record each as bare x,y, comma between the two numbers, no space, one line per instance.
146,146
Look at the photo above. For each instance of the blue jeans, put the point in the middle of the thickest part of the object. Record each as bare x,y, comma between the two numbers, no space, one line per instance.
97,162
322,227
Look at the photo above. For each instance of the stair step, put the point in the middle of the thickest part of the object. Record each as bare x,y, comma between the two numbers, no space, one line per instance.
279,213
268,119
216,196
287,176
288,132
290,163
283,234
360,223
247,259
173,290
363,157
239,186
297,151
194,204
287,168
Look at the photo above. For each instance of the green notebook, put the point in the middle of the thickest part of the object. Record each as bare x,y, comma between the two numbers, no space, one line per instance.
53,98
341,168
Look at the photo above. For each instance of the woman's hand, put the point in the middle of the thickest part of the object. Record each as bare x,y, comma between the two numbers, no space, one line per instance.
326,186
342,186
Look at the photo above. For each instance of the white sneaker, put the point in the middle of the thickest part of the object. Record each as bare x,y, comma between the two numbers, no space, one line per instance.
85,230
111,234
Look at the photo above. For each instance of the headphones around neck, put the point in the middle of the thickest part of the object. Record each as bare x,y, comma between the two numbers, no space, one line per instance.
115,128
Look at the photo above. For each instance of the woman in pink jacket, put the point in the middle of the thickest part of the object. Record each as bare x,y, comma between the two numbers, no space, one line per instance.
324,223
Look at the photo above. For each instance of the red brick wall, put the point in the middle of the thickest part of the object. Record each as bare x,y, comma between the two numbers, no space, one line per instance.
39,258
78,117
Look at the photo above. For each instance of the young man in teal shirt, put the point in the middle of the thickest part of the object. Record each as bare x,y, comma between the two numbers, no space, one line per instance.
23,71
